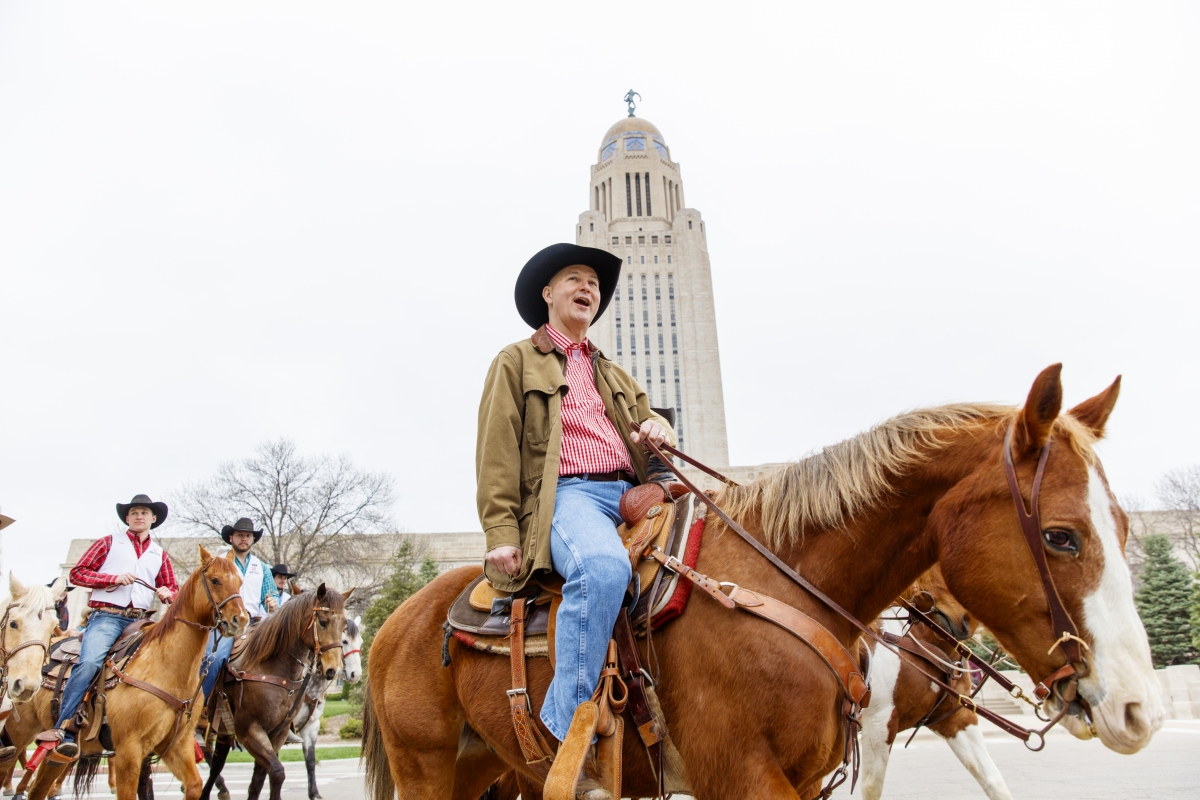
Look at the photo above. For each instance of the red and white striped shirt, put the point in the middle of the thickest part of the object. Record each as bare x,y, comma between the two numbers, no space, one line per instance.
590,442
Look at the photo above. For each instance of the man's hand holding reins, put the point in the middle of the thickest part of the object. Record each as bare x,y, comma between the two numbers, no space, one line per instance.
506,559
650,431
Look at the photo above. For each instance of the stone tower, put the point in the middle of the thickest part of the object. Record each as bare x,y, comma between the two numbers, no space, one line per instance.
661,325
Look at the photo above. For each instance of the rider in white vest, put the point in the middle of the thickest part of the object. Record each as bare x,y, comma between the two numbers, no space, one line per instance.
126,572
258,590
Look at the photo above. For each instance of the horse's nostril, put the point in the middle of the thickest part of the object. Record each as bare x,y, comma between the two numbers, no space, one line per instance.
18,686
1135,719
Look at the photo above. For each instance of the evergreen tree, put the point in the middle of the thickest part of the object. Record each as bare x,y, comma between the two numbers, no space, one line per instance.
1164,602
1196,613
406,579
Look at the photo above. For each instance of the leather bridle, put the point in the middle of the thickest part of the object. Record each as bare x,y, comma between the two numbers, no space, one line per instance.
6,654
1030,522
219,622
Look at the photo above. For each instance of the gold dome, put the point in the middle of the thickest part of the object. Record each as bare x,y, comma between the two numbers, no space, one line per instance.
627,130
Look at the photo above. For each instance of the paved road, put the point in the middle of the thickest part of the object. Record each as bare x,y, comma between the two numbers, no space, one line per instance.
1068,768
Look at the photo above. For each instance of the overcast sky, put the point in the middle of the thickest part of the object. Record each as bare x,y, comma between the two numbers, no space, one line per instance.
225,222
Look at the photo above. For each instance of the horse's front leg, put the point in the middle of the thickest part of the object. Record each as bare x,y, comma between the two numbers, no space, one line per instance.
967,744
215,765
126,766
309,735
266,762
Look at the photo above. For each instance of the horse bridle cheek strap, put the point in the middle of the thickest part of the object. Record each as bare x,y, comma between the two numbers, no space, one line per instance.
6,654
1030,519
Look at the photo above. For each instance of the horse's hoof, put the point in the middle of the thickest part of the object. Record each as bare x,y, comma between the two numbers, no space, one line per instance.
224,795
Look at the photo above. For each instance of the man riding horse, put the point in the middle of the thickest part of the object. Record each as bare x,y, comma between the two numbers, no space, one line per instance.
554,454
259,594
125,573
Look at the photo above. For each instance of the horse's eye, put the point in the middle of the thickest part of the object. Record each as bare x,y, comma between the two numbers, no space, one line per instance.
216,582
1061,540
324,624
14,625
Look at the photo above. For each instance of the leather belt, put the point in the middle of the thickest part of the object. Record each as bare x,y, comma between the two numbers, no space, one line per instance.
131,613
615,475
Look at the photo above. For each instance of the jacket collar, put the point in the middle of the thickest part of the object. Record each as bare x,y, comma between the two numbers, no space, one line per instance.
542,341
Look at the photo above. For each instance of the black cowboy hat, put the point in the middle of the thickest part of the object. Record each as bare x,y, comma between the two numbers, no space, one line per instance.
159,509
281,569
243,524
538,271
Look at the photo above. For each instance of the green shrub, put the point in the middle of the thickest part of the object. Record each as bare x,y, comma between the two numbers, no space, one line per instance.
353,729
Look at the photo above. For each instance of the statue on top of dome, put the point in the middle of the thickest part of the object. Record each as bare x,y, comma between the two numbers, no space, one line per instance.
629,99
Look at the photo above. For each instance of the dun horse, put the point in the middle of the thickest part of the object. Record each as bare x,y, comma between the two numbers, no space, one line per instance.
755,713
143,723
902,698
266,682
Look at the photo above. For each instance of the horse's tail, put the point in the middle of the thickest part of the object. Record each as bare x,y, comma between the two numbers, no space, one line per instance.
86,769
379,774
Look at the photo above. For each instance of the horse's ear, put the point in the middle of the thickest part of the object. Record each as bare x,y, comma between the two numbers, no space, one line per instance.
294,588
321,591
346,595
15,587
1094,411
205,557
358,621
1041,409
59,587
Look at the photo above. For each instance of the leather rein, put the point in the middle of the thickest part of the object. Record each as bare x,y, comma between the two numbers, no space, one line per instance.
1063,682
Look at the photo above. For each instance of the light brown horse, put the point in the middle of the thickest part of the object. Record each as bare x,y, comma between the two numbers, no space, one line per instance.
903,698
301,638
753,712
169,659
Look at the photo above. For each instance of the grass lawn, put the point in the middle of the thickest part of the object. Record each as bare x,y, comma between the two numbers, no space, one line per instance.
335,707
296,754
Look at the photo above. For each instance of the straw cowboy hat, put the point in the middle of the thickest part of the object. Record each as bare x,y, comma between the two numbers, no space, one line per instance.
243,524
144,501
538,271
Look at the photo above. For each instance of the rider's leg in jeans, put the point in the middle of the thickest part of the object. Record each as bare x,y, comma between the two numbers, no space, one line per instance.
589,555
224,646
102,630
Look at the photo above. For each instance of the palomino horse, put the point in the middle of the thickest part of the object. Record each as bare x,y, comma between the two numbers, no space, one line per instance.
307,723
755,713
264,685
143,723
28,624
903,698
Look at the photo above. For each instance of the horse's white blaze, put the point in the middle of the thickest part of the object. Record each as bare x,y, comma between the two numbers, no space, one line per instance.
968,745
1121,686
885,669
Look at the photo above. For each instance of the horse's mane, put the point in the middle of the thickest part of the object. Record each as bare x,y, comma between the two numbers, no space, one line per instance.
828,488
351,628
282,629
166,622
36,598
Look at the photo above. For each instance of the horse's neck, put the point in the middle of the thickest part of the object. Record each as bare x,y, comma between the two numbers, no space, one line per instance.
172,661
866,564
289,662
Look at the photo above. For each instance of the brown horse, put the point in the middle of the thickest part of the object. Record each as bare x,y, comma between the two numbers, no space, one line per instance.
755,713
142,723
902,698
300,640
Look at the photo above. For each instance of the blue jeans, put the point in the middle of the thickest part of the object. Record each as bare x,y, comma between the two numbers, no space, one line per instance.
223,648
589,555
102,630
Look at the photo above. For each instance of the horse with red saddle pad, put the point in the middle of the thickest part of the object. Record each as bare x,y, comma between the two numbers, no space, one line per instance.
757,692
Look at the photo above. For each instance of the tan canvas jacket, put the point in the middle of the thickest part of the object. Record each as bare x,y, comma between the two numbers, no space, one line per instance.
518,446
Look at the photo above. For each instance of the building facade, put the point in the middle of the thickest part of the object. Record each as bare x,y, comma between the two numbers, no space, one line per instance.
661,325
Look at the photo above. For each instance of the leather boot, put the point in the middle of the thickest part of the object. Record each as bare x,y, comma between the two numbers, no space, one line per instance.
589,786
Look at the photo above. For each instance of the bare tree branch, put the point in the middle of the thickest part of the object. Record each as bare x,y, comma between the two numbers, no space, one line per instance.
1179,494
310,508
